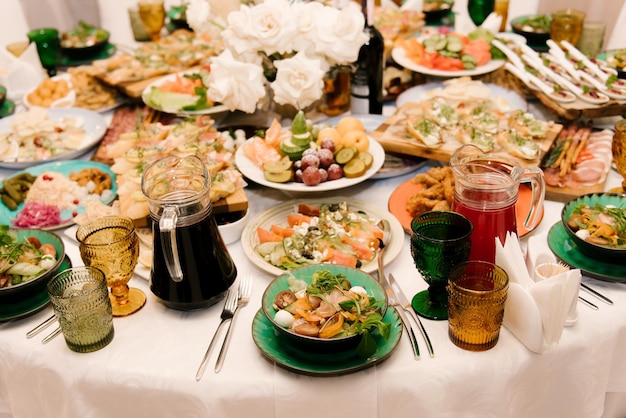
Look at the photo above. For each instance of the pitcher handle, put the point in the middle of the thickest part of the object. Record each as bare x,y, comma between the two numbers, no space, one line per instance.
167,224
538,185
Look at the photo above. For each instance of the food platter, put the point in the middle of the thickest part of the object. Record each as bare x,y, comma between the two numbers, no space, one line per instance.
275,349
63,167
512,99
399,198
31,305
278,216
94,125
399,56
255,173
145,96
394,165
564,247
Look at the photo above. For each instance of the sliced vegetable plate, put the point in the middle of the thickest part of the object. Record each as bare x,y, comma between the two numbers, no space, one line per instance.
64,167
94,125
278,216
178,102
255,173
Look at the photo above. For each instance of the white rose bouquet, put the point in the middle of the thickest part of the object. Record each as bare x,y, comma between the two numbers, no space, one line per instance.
288,45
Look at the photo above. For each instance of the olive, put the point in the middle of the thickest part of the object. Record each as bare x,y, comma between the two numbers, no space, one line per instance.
284,299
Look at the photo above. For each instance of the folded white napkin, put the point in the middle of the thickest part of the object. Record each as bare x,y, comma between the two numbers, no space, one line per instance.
21,74
537,311
463,23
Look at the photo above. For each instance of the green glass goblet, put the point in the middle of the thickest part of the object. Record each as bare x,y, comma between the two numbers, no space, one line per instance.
439,241
48,47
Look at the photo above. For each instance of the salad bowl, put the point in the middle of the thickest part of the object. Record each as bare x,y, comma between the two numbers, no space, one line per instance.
280,285
29,286
596,202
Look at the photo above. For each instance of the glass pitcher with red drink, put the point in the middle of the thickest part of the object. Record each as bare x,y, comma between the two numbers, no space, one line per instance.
486,191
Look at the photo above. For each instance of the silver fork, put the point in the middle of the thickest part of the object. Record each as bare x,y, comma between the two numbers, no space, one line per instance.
245,291
227,314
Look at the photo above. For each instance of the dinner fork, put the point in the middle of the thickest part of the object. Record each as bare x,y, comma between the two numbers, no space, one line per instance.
245,291
227,314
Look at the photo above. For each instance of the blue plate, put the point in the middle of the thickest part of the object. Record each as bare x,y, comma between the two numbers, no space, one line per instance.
564,247
63,167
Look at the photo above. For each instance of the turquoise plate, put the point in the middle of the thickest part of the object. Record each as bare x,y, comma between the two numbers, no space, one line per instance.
278,351
63,167
564,247
31,305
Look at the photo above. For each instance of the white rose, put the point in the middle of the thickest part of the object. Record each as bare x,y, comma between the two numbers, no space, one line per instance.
272,25
299,80
307,16
236,84
198,15
341,34
235,36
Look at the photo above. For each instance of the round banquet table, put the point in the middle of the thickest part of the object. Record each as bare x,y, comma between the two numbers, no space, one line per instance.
149,368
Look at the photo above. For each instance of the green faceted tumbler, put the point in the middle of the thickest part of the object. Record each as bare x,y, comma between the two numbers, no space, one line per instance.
439,241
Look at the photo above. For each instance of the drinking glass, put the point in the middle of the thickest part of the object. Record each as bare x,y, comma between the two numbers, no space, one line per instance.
336,91
477,293
591,37
48,47
152,14
479,10
111,244
81,304
566,25
439,241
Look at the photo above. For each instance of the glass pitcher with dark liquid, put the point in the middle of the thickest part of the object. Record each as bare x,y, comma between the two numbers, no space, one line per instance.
192,268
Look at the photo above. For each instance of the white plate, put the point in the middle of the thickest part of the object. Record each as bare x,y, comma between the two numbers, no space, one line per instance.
394,165
416,94
399,57
255,173
278,215
210,111
93,123
64,102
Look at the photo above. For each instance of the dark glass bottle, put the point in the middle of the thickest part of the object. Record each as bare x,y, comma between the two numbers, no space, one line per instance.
479,10
366,91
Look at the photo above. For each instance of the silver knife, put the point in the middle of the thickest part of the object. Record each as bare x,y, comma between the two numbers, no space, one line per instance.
596,293
404,303
393,301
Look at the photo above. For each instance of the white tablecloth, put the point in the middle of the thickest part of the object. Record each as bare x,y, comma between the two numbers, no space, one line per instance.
148,370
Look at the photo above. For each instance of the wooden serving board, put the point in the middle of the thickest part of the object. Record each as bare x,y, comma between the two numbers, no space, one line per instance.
581,109
394,137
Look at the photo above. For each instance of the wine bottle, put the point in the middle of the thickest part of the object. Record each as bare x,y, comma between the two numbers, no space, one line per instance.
366,91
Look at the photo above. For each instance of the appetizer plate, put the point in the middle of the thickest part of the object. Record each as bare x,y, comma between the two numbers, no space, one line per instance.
35,303
400,197
564,247
255,173
63,167
278,215
399,56
418,93
174,109
64,102
276,349
94,125
394,165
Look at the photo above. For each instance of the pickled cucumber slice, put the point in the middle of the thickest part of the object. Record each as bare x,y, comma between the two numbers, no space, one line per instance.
367,158
291,150
283,164
345,154
354,168
279,177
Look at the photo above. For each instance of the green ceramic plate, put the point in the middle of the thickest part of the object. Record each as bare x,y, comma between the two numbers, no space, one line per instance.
31,305
564,247
275,349
108,51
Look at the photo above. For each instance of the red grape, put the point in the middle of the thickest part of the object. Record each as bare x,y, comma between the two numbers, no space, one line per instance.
326,157
297,176
328,143
324,175
310,160
311,176
334,171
